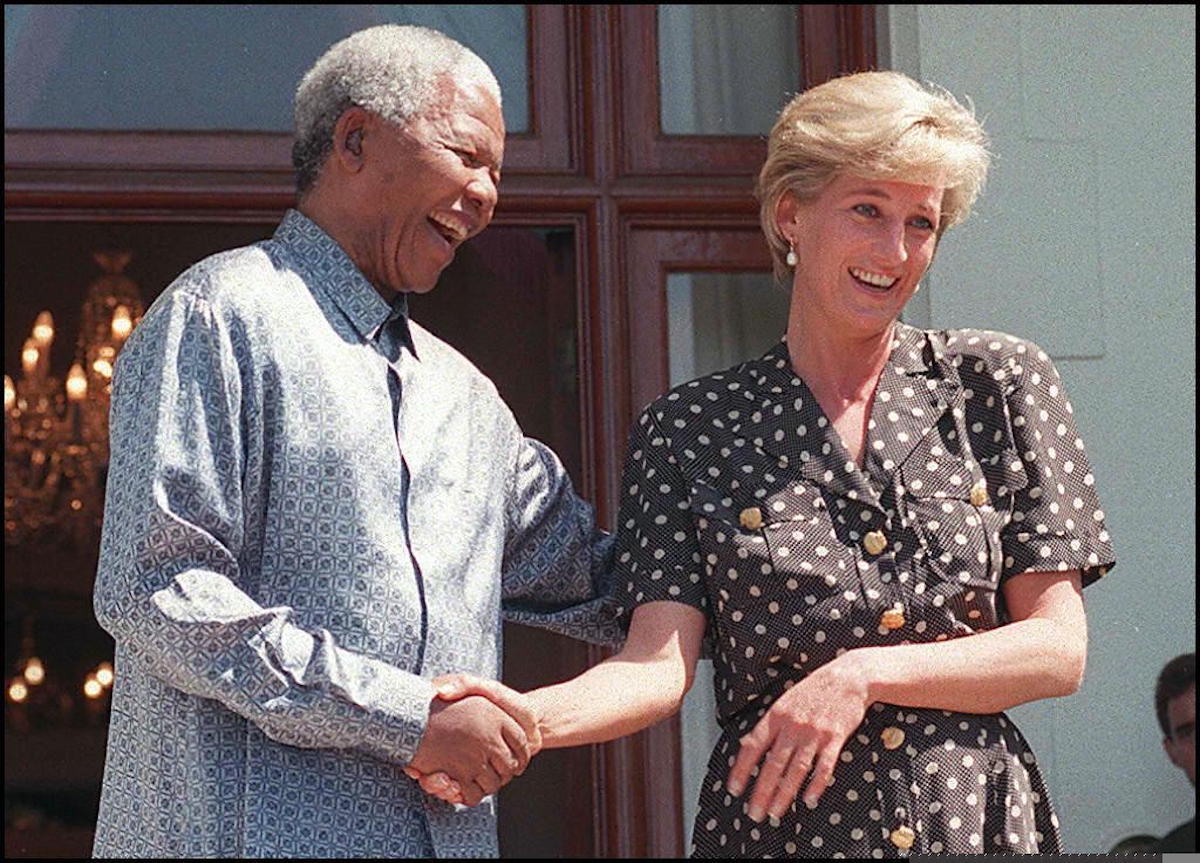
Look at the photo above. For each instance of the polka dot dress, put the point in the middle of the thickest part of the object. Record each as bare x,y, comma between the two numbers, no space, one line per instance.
741,500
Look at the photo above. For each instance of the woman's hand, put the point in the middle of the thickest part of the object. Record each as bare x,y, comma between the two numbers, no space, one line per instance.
802,735
452,687
641,685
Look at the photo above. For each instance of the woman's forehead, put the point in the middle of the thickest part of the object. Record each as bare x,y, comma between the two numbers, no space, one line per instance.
904,191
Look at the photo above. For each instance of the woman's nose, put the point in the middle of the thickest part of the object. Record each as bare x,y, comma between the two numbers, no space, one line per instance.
892,243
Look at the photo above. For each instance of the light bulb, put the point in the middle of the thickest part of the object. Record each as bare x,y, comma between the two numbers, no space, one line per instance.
35,672
17,690
121,322
92,687
29,357
43,330
10,394
76,383
104,674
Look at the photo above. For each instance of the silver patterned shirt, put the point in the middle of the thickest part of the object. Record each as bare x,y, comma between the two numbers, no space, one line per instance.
312,509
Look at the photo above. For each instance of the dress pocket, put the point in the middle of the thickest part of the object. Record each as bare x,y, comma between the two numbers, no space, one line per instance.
780,528
957,507
1004,474
773,564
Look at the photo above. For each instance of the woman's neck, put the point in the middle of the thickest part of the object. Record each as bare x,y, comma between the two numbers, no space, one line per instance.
834,364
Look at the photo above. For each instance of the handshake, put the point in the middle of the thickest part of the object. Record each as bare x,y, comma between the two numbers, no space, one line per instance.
480,735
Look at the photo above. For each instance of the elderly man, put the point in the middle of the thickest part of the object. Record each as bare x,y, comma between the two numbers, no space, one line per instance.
314,506
1175,704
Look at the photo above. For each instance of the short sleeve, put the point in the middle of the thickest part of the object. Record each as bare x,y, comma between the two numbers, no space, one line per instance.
657,548
1057,522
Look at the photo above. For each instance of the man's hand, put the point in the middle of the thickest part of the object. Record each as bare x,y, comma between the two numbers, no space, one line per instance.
476,743
451,688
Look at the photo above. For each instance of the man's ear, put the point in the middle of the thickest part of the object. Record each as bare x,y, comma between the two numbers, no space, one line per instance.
348,135
1177,757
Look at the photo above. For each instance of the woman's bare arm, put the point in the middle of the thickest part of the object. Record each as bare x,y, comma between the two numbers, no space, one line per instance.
1039,655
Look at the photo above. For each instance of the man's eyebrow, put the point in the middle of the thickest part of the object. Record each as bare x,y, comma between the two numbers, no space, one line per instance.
876,192
1183,726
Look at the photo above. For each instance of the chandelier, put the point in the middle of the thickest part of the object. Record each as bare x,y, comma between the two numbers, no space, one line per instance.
56,435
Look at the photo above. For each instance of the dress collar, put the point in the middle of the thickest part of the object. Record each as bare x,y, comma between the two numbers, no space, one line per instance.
784,419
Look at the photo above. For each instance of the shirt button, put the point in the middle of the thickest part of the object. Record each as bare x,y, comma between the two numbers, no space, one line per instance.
893,618
892,737
979,495
875,542
903,837
751,518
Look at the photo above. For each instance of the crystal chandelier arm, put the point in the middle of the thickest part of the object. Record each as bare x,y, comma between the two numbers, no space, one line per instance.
171,588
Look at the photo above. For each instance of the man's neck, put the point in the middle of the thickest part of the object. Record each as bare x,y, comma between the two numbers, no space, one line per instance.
332,218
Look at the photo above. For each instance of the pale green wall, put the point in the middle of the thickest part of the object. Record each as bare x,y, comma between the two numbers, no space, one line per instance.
1085,242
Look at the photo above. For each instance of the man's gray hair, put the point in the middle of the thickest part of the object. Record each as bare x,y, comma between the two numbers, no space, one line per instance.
394,71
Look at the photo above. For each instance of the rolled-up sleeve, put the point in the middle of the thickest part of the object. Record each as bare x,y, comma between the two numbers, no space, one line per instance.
172,586
1057,522
557,569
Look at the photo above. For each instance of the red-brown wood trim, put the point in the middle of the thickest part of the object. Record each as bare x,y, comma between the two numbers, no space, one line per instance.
619,819
659,248
549,145
640,801
214,196
644,149
148,150
835,40
858,38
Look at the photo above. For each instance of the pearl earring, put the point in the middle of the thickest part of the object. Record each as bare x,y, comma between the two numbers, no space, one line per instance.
791,255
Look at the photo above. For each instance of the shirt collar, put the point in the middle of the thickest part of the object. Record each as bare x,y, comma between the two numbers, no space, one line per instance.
394,333
330,271
915,351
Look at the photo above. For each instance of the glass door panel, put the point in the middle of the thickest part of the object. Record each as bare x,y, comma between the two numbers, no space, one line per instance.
218,67
751,65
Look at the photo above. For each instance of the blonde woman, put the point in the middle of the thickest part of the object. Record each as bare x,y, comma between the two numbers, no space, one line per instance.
881,532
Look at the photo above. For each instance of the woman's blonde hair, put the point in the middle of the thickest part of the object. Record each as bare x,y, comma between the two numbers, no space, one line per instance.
877,125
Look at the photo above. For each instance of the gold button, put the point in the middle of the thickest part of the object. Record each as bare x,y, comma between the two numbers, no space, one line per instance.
892,737
979,495
875,542
903,837
893,618
751,518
